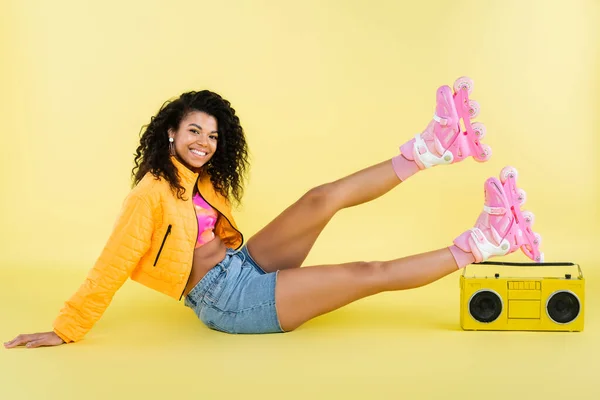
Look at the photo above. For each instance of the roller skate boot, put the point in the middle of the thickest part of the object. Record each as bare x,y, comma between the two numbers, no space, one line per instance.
444,141
502,228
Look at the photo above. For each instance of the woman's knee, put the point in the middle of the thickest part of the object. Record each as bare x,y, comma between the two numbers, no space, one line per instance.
371,275
321,197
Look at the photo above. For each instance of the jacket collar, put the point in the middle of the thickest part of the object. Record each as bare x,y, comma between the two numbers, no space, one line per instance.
187,177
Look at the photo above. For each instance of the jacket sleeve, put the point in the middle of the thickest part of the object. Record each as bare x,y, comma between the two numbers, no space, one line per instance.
128,242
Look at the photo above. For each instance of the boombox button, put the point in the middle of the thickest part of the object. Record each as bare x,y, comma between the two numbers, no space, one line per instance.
568,276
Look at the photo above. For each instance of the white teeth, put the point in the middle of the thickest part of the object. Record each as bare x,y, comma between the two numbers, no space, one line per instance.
200,153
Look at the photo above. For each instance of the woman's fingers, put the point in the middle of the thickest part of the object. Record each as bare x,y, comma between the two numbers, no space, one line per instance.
18,341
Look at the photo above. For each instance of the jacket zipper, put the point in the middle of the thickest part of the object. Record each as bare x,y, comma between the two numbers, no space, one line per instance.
163,243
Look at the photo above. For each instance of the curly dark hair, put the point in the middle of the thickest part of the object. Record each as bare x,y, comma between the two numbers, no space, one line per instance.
227,167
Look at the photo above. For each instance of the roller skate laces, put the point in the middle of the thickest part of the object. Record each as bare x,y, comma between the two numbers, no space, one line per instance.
502,228
444,141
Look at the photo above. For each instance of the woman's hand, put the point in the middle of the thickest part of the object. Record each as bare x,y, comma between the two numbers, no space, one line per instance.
35,340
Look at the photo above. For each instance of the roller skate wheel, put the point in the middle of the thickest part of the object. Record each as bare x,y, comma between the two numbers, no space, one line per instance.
464,82
508,172
540,258
486,153
479,130
529,218
522,196
538,239
474,109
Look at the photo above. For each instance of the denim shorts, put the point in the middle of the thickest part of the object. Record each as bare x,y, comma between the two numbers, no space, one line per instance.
236,296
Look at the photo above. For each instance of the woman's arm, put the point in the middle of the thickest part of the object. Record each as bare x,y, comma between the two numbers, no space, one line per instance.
129,241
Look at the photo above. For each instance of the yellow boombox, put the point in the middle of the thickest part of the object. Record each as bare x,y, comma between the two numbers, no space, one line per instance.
504,296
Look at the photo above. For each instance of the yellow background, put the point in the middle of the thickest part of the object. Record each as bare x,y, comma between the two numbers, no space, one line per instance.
323,88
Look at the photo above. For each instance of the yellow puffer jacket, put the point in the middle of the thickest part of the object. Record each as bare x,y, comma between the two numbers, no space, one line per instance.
152,243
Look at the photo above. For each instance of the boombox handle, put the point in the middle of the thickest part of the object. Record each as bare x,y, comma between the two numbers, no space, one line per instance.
530,264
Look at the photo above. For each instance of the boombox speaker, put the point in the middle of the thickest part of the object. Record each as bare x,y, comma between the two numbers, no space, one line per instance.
503,296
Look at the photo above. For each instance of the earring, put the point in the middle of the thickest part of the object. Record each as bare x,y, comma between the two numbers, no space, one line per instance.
171,146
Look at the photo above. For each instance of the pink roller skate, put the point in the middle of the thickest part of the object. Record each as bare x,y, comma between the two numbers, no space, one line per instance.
444,141
502,227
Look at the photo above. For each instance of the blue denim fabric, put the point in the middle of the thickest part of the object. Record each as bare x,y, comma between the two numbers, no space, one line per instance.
236,296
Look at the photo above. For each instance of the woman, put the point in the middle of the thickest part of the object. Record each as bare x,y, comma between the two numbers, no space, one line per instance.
176,233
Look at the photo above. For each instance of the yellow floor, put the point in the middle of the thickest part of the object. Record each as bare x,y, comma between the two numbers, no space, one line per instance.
395,345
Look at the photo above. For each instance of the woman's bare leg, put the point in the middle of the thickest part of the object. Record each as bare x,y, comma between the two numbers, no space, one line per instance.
285,242
305,293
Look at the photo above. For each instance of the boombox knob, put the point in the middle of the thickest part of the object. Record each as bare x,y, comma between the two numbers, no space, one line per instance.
497,275
568,276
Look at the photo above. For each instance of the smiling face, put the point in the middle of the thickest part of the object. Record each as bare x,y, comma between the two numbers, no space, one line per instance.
196,139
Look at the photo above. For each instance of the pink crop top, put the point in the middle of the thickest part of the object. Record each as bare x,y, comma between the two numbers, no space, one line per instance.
207,217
